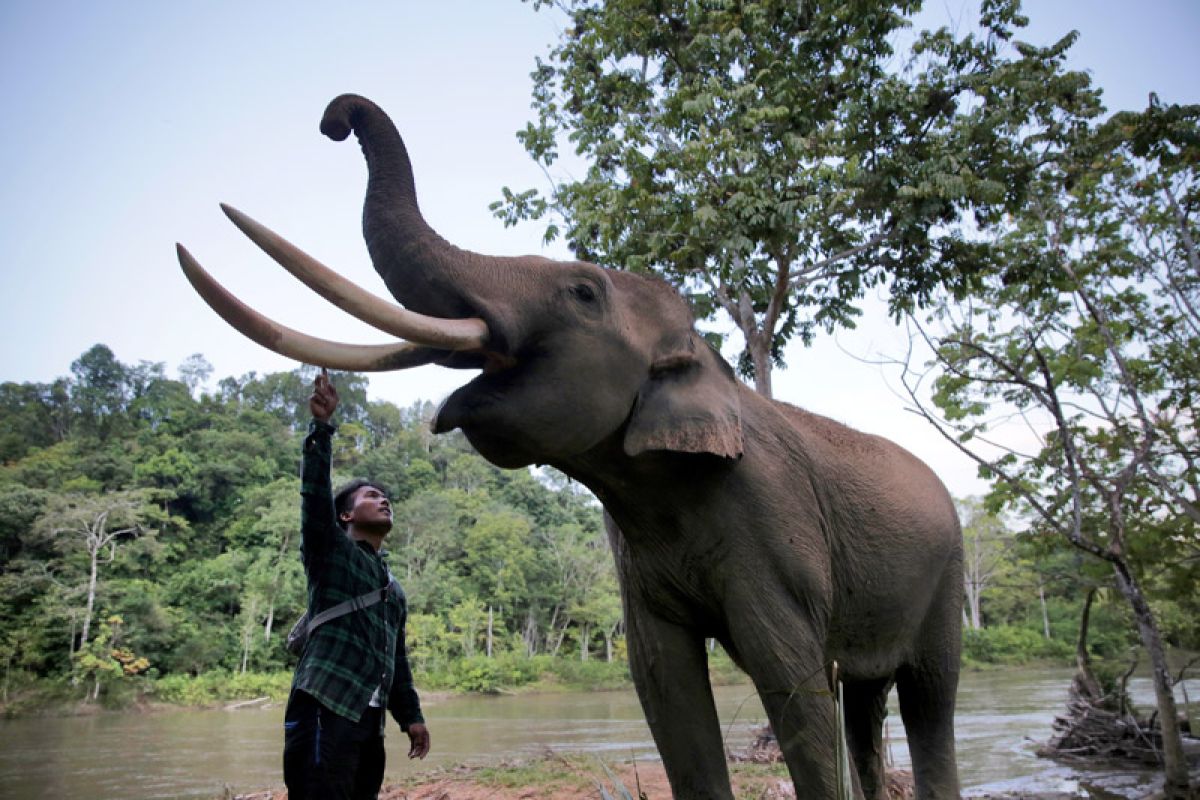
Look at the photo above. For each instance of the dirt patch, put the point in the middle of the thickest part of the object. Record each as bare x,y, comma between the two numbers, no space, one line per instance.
554,777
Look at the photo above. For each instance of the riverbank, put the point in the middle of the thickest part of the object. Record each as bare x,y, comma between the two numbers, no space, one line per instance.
557,777
180,753
503,675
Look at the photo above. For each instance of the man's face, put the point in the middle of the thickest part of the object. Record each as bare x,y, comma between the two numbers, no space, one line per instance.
369,507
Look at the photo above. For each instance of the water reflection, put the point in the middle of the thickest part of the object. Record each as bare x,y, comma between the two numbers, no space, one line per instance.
193,754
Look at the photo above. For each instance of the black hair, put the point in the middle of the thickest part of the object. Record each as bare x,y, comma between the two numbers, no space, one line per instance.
341,500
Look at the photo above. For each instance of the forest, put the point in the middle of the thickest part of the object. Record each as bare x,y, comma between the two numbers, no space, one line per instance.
149,548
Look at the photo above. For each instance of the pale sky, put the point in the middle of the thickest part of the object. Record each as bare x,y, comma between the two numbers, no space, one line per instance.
126,123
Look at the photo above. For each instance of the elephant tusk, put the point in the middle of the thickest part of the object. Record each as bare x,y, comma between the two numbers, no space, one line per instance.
445,334
300,346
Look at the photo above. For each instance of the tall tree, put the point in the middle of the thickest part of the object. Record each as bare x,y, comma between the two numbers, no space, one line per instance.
93,526
774,160
985,543
1089,334
100,390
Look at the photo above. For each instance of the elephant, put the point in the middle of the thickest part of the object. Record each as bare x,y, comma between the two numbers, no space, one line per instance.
793,540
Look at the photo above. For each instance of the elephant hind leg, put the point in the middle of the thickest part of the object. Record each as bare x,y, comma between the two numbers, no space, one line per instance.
865,707
927,708
927,686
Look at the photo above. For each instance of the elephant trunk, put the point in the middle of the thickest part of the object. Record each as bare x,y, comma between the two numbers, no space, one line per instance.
421,269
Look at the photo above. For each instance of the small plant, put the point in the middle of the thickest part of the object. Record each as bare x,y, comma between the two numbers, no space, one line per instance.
619,791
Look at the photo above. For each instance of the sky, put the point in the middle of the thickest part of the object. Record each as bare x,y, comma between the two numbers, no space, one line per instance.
127,123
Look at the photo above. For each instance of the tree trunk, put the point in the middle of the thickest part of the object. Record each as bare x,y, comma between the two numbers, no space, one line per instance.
583,644
489,633
760,356
1045,612
1175,768
973,592
530,635
91,598
269,623
1084,677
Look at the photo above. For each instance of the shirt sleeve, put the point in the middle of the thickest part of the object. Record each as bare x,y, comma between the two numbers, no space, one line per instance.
403,701
319,530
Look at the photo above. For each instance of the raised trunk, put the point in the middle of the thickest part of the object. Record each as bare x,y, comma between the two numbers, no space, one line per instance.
421,269
1175,768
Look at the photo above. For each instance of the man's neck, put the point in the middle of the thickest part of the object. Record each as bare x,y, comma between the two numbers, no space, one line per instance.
373,538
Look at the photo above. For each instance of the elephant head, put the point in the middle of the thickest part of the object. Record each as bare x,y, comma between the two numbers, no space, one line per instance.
573,357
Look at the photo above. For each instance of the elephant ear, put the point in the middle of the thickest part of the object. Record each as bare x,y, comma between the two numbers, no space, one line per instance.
689,404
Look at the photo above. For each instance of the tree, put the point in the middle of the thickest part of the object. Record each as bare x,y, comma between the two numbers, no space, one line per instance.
105,658
194,372
95,526
497,556
1089,333
99,392
985,541
774,160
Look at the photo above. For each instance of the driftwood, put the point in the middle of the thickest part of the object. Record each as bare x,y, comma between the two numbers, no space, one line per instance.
1101,724
245,703
765,750
1102,727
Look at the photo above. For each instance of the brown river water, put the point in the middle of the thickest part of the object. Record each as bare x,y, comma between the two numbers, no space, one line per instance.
1001,718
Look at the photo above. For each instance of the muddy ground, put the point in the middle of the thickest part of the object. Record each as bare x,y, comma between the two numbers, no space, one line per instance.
556,778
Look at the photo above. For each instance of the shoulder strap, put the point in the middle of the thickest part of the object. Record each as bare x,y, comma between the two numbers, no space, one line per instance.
346,606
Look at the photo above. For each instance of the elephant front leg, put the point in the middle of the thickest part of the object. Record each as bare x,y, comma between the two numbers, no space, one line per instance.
784,660
670,671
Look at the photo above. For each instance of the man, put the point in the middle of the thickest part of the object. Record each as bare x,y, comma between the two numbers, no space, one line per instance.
354,666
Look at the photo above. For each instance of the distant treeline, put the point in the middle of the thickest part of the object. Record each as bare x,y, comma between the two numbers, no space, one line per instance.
149,532
150,527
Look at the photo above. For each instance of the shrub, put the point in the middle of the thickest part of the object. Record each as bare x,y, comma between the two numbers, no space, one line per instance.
1007,644
214,687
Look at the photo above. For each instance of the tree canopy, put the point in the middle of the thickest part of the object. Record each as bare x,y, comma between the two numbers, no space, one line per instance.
146,516
776,160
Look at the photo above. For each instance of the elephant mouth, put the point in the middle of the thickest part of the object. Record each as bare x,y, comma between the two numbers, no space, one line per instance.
468,405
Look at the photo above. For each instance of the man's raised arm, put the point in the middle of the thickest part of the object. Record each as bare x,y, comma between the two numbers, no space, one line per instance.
318,525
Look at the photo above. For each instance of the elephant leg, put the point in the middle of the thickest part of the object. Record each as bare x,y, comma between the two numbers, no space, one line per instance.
927,708
670,671
865,707
784,660
927,687
803,717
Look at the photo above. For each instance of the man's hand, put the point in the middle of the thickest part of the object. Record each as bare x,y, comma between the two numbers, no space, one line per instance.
418,736
324,398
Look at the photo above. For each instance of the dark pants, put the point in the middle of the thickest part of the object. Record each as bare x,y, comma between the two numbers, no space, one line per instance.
329,757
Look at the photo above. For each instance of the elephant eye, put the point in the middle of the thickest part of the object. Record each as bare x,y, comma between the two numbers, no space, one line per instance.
584,292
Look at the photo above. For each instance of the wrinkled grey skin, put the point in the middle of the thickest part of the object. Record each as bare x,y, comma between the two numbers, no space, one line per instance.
793,540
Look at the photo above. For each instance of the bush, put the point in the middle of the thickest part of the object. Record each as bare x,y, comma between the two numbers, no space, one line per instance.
1007,644
214,687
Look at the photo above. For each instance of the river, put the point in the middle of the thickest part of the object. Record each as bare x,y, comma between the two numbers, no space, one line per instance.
195,754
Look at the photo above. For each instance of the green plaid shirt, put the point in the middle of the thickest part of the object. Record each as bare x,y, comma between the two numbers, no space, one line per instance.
349,657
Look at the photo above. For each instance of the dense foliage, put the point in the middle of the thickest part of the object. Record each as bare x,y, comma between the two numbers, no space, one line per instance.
776,159
149,519
149,540
1087,333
